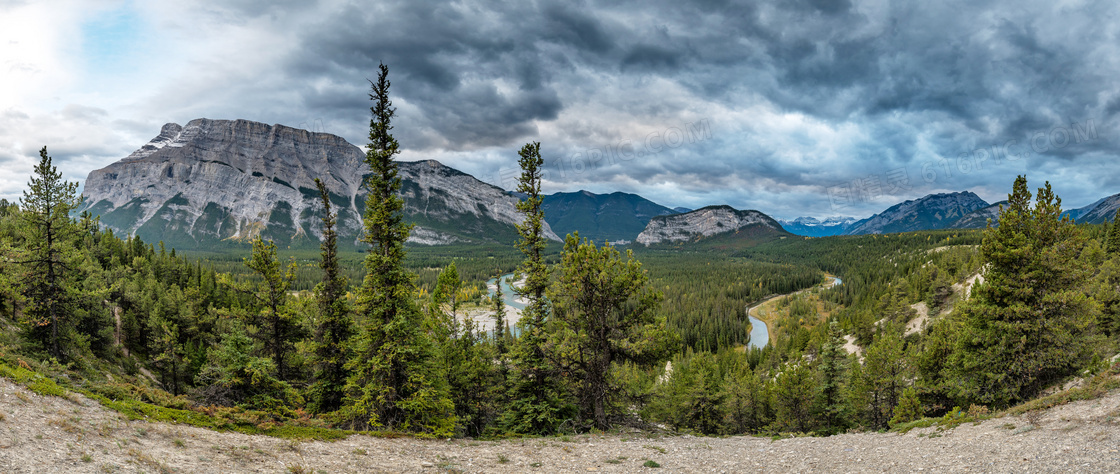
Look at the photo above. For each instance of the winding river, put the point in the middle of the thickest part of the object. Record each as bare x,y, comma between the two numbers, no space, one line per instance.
759,331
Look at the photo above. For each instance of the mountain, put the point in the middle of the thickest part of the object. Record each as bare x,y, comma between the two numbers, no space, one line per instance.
978,219
935,211
708,222
813,227
681,210
1098,212
214,181
601,217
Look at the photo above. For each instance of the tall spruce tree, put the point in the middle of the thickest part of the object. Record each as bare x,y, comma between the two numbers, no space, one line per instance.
537,405
394,382
1023,327
50,254
334,326
605,312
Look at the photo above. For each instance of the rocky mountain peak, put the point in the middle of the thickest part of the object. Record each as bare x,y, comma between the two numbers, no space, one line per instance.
934,211
230,180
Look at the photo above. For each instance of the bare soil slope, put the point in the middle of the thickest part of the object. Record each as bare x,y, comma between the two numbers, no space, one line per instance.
75,434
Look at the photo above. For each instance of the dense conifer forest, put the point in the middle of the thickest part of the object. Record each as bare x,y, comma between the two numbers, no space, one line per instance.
303,344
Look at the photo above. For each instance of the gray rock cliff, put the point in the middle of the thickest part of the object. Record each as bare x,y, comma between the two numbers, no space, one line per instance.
704,222
221,180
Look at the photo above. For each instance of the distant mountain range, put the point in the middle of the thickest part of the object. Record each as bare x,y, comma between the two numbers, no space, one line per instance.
601,217
213,182
935,211
813,227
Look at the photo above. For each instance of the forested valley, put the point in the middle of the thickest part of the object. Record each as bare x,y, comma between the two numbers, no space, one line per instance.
320,345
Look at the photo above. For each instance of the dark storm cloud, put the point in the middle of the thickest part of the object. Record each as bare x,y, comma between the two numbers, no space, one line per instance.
802,95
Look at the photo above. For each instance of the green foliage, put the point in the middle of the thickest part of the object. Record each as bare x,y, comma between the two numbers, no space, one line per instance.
794,397
605,313
909,408
275,326
49,259
334,326
538,401
394,381
882,379
746,396
831,372
235,377
1113,241
1025,327
690,396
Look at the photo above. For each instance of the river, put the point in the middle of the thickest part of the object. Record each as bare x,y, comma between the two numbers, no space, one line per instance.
759,331
507,291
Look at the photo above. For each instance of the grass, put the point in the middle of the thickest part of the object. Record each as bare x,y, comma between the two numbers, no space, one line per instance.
651,463
1097,387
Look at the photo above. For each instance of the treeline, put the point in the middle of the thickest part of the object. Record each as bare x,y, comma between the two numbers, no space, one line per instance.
386,352
706,295
319,342
1046,311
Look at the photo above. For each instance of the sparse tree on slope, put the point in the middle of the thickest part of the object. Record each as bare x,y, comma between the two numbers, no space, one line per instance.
277,325
1023,327
49,259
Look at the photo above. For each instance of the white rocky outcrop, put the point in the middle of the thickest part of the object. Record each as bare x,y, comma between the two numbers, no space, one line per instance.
700,223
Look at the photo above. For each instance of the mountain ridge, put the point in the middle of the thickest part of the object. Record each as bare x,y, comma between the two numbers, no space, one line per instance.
221,181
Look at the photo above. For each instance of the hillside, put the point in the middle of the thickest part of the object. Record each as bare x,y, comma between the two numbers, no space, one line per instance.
935,211
978,219
601,217
77,435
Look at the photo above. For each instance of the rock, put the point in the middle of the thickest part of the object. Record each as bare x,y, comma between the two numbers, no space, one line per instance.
220,180
706,222
935,211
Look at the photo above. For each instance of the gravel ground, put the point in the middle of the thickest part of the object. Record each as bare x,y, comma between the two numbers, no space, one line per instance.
51,434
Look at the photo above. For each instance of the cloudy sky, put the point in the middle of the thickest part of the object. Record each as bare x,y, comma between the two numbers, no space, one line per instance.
791,107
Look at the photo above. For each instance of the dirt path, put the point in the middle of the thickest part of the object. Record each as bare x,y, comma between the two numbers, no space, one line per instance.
50,434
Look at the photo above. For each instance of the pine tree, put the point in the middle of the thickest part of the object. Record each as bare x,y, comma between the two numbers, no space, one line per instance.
537,405
793,396
909,407
605,312
448,284
499,307
395,382
277,326
1023,327
885,372
334,326
747,401
1113,246
48,263
830,370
